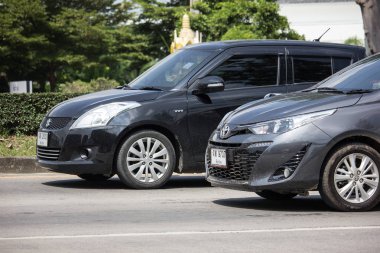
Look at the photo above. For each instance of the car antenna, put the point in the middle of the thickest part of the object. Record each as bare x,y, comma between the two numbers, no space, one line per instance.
317,40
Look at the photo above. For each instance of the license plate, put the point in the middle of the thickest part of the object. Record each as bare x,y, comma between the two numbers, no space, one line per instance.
42,139
218,157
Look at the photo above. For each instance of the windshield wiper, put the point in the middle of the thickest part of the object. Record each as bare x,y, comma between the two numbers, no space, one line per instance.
150,88
358,91
324,89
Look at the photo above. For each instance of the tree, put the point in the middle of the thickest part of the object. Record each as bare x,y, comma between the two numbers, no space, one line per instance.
60,41
157,20
371,20
215,19
22,25
241,19
353,41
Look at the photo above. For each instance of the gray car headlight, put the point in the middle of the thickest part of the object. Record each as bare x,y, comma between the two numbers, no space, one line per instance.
101,115
286,124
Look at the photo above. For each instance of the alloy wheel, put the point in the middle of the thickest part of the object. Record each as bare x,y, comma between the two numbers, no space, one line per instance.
147,159
356,178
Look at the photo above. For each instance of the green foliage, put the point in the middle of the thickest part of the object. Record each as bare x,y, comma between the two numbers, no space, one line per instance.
157,21
60,41
216,20
50,41
79,86
239,32
353,41
22,113
241,19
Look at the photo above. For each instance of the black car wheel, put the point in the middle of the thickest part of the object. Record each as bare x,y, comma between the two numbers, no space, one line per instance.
351,177
146,160
275,195
95,177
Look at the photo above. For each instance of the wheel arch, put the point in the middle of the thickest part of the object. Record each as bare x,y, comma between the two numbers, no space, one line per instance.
154,127
365,139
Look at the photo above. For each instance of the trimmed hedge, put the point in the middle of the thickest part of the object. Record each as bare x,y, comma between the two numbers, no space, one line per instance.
23,113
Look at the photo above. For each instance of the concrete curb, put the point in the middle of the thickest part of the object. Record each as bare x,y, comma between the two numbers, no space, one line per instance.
20,165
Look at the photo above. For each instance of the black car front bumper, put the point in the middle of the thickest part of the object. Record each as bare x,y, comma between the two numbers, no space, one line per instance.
80,151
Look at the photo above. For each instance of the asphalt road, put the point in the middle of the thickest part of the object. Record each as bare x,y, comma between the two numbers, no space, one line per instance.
60,213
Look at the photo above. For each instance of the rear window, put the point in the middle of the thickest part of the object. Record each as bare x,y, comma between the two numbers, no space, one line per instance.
311,69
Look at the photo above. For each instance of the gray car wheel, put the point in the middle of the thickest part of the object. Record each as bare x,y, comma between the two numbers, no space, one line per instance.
146,160
350,180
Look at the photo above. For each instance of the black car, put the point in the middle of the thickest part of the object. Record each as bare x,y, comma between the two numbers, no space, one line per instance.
161,121
325,138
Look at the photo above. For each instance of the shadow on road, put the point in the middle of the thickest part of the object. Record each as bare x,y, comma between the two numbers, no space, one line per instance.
197,181
114,183
298,204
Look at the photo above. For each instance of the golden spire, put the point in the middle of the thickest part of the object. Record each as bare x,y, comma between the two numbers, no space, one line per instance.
186,36
186,22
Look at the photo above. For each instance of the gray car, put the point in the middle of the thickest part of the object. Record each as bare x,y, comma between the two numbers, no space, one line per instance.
326,138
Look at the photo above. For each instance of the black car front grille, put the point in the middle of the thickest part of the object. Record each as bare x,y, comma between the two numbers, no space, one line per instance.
55,123
239,165
48,153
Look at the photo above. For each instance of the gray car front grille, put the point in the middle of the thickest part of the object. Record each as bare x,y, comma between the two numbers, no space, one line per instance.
239,165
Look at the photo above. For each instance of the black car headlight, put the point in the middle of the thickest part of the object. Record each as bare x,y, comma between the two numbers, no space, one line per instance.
101,115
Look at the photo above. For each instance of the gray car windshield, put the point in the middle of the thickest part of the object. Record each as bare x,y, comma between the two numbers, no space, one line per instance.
167,73
365,75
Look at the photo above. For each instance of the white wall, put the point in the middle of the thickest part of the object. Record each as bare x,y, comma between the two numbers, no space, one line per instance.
312,19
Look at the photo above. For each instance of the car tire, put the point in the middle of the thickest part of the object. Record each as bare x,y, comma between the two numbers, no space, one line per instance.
146,160
271,195
350,179
95,177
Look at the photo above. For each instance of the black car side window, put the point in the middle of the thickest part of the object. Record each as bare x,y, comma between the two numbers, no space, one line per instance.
340,63
248,70
311,69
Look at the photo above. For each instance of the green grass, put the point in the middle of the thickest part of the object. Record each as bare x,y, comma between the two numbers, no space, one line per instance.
17,146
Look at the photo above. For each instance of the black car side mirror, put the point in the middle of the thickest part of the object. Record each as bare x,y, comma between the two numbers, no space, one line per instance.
209,84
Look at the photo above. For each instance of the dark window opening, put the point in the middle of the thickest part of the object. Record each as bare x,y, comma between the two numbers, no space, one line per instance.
340,63
311,69
248,70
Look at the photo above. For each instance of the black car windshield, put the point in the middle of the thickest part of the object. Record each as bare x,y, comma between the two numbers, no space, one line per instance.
167,73
362,76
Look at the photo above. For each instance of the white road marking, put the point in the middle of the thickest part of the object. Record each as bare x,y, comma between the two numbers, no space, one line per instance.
253,231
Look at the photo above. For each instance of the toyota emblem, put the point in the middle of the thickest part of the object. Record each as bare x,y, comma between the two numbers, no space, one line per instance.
225,132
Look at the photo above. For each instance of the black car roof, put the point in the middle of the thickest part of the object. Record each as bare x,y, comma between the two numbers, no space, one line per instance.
242,43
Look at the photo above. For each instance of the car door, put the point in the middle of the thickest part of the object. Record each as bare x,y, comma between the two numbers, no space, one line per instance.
307,66
249,73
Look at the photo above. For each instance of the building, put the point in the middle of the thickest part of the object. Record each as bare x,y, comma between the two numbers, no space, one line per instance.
313,17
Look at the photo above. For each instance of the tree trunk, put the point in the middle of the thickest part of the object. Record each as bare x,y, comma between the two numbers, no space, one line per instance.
53,81
371,21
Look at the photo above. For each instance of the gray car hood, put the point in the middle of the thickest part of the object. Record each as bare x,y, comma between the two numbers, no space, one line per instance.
289,105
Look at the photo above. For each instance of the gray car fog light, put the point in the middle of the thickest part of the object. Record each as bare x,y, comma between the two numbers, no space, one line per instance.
282,173
287,172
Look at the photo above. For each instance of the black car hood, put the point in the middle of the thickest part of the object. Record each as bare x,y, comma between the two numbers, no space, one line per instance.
77,106
289,105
